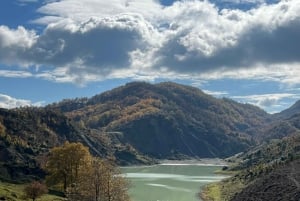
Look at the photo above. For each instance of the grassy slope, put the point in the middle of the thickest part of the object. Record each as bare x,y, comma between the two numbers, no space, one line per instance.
14,192
222,191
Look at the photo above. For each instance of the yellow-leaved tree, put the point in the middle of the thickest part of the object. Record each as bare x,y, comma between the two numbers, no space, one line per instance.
84,177
104,182
65,164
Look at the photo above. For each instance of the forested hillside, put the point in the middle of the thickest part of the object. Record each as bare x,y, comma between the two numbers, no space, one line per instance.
169,120
27,134
269,171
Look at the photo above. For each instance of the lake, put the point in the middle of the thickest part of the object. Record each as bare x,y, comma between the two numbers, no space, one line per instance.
169,182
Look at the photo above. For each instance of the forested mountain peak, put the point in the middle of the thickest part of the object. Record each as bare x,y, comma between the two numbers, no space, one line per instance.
167,120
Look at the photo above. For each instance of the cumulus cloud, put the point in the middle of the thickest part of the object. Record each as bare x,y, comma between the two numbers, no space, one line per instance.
92,40
14,43
10,102
100,43
231,39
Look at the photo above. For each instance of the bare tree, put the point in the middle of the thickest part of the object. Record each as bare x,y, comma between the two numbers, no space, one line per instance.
35,190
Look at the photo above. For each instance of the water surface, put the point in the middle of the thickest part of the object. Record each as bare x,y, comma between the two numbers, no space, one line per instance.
169,182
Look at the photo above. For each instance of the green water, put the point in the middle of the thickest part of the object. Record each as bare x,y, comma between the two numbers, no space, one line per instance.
169,182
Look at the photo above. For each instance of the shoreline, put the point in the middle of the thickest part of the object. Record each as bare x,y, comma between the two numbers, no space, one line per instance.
210,192
199,162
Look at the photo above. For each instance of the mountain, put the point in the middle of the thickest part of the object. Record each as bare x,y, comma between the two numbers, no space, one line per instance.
294,109
280,128
168,120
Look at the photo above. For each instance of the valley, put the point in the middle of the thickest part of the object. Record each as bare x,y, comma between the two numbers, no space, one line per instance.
143,124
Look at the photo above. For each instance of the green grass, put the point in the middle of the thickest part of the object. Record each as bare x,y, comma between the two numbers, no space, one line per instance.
14,192
212,192
223,190
226,172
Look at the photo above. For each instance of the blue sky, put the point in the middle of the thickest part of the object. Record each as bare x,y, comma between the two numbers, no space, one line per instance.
247,50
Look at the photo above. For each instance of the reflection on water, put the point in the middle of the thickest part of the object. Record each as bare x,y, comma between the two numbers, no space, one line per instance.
169,182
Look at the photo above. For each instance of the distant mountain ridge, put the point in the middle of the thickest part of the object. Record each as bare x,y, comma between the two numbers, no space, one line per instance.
289,112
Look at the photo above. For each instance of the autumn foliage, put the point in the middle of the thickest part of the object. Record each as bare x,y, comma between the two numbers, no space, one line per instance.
83,177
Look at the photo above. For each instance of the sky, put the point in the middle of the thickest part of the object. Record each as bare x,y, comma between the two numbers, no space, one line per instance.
246,50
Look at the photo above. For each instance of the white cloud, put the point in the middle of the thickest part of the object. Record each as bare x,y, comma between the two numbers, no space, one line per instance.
15,74
83,10
268,101
288,74
20,37
232,39
28,1
25,2
14,43
216,93
10,102
91,40
244,1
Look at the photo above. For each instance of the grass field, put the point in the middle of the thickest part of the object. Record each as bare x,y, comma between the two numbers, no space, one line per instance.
14,192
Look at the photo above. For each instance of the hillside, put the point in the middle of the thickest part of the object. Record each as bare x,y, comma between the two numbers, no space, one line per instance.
281,141
282,183
27,134
293,110
168,120
277,182
269,171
